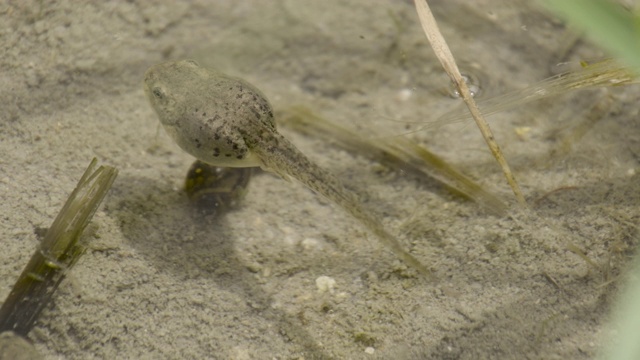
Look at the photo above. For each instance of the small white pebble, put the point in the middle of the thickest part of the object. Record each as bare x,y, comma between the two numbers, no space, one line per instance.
479,229
369,350
291,240
241,353
325,283
523,132
310,244
404,95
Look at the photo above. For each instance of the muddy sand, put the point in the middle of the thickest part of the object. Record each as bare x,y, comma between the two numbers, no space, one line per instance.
287,275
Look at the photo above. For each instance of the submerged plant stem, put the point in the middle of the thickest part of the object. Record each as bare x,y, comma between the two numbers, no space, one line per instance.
396,152
57,252
448,62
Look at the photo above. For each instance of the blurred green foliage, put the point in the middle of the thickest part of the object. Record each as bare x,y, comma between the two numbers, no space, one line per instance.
608,24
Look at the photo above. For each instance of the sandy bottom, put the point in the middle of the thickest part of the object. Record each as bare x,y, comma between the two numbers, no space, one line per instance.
288,275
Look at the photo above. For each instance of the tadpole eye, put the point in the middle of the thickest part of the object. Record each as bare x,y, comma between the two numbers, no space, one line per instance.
157,92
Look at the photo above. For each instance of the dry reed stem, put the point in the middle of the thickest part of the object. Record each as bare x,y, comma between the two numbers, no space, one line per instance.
445,56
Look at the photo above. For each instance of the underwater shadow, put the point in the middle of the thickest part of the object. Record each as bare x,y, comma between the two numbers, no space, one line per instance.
176,237
526,328
618,193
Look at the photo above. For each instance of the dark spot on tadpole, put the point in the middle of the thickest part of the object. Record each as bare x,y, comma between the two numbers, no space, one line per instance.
227,155
204,114
255,112
216,133
239,157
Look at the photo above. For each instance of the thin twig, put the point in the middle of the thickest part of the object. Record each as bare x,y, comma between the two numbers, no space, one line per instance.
445,56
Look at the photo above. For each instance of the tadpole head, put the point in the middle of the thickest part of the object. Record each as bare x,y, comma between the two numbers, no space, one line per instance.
158,95
167,86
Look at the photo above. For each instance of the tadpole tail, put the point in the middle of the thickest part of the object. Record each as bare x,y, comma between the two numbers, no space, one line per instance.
284,159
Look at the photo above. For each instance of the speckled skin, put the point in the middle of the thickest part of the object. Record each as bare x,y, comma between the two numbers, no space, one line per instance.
225,121
199,109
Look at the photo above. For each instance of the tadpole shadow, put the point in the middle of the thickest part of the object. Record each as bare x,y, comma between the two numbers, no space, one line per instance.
173,235
525,328
615,192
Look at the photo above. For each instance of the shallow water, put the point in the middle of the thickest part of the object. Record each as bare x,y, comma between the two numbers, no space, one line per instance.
163,281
